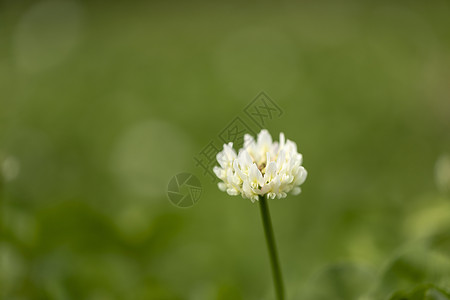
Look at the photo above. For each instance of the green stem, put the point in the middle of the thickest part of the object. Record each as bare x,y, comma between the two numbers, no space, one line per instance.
271,245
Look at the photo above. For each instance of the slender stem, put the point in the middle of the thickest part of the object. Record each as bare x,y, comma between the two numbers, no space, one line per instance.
271,245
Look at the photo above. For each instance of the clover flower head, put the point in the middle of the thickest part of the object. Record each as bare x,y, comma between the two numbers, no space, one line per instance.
261,168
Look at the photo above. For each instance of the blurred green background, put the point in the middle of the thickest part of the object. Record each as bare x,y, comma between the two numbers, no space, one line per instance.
101,103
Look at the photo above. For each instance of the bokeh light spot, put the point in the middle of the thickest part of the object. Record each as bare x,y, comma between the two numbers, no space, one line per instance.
10,168
47,34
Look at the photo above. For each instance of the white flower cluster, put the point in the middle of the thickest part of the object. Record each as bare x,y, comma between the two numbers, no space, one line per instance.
262,168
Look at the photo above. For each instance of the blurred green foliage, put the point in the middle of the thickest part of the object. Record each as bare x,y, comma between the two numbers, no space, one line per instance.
102,103
428,292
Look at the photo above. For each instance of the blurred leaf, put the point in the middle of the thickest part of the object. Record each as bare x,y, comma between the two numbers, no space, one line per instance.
416,266
425,292
344,281
440,240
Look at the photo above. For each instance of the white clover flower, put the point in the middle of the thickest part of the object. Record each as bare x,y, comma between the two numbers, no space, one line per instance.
262,168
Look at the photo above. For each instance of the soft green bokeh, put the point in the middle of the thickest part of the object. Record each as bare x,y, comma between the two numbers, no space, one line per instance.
102,103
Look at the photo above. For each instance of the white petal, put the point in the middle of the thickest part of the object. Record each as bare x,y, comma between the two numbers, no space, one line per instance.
255,175
266,189
301,177
296,191
248,141
218,171
292,146
246,188
232,192
229,151
222,186
271,171
221,159
282,140
245,159
238,170
264,139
